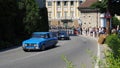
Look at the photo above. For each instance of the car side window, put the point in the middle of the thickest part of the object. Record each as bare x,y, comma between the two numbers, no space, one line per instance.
45,36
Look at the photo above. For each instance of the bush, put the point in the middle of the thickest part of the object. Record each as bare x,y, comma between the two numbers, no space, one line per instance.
111,61
113,42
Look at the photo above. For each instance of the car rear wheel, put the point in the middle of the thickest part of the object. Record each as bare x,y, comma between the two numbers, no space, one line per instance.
54,45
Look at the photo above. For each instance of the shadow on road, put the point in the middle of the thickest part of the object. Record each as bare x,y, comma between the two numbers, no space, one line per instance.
10,48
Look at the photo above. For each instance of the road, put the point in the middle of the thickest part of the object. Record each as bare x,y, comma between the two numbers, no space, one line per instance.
76,50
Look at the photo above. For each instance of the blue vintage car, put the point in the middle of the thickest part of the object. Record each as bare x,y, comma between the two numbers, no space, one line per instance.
63,35
40,41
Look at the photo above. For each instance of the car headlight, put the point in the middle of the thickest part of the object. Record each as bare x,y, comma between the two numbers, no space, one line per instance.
24,45
35,45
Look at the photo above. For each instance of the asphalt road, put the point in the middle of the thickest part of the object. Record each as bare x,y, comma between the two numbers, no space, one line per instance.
76,50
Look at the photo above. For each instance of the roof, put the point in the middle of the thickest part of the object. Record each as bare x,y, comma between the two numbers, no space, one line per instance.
87,3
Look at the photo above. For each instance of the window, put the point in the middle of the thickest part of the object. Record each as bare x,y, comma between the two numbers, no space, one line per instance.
49,3
72,14
65,3
58,3
58,14
49,14
80,1
65,13
71,3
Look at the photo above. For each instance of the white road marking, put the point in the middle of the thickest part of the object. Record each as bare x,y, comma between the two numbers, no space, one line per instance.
98,57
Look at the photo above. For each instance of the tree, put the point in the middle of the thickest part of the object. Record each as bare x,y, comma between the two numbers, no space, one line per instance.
36,19
44,19
115,22
9,22
102,5
31,15
113,6
8,13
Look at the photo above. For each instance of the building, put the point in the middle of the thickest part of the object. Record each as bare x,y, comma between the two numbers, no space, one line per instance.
118,17
89,17
63,13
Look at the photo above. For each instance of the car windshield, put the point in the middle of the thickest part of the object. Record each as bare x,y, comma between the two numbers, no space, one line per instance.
39,36
62,33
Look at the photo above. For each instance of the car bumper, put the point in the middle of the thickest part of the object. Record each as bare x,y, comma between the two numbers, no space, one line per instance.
31,48
63,38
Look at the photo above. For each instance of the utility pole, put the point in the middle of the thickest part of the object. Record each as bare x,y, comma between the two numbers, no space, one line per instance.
108,26
108,18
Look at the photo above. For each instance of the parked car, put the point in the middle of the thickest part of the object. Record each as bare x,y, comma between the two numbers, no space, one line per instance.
63,35
39,41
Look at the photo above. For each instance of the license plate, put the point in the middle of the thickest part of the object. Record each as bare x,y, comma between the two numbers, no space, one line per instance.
29,47
62,35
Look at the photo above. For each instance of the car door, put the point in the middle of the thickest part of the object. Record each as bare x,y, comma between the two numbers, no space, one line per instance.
49,40
52,42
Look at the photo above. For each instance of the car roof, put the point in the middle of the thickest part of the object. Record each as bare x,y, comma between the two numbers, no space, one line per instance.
41,32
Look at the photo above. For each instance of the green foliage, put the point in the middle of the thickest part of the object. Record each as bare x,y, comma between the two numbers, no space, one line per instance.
111,61
68,63
31,14
115,22
113,6
101,5
44,19
36,19
114,43
113,54
19,18
9,21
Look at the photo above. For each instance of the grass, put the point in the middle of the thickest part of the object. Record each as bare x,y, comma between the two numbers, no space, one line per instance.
113,56
69,63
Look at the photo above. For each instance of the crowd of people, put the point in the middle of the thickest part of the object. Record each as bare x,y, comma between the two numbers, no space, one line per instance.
91,31
87,31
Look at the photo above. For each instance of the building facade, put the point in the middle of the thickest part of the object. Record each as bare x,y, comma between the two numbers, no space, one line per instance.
63,13
118,17
89,17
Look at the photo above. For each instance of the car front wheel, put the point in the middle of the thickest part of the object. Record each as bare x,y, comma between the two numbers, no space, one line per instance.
25,50
43,48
